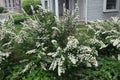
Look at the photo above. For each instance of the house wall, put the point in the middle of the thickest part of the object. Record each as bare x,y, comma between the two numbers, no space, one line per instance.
95,11
2,3
81,4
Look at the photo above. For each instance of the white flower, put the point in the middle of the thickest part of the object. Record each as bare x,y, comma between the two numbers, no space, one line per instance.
55,28
53,65
54,42
118,56
73,59
72,43
86,49
96,41
38,44
88,64
115,42
94,61
31,51
60,70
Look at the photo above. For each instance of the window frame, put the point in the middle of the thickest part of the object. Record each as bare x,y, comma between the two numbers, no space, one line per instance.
110,10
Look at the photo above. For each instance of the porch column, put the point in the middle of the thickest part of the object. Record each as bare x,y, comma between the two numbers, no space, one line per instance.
57,8
86,11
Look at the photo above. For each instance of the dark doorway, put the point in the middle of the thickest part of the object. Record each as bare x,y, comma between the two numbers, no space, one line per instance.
67,4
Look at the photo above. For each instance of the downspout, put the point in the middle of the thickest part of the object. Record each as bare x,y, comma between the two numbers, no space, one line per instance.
86,11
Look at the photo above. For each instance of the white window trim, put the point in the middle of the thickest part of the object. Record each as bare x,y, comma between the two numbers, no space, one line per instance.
110,10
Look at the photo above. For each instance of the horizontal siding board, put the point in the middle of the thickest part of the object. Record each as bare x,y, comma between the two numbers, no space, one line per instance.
95,11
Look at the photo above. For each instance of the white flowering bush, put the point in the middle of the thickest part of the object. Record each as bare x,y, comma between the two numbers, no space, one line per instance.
7,34
47,43
106,35
44,41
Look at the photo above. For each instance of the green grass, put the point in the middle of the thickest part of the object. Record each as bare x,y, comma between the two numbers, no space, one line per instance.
18,27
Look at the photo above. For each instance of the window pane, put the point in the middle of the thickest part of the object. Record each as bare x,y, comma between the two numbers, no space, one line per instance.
111,4
46,4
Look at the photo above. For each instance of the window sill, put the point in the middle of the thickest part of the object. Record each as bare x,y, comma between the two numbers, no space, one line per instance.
112,10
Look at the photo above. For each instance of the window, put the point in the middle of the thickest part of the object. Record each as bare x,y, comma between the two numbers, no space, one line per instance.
9,3
111,5
67,4
5,3
13,3
46,4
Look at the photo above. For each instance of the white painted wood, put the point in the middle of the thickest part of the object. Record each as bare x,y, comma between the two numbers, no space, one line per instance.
43,4
86,11
57,8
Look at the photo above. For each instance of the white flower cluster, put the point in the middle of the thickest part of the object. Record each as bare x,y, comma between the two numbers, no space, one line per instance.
3,55
54,42
86,55
73,58
89,58
31,51
82,54
58,62
116,42
107,34
27,67
98,42
6,32
72,43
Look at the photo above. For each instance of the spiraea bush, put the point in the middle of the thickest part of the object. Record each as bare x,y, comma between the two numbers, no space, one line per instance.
6,35
106,36
40,41
47,51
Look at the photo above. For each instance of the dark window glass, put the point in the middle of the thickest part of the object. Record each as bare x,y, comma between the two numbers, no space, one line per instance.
67,4
46,4
111,4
